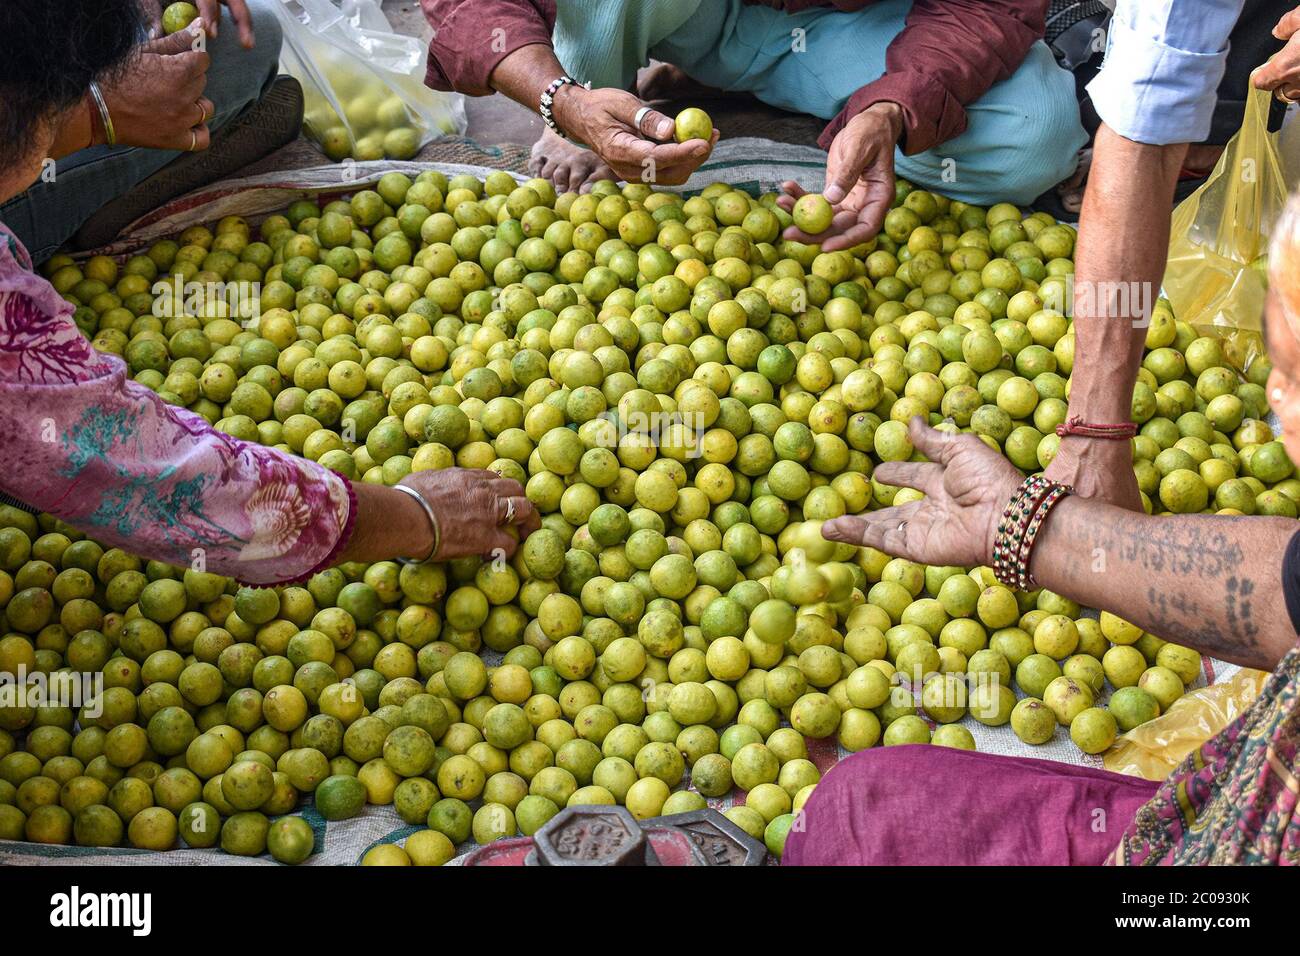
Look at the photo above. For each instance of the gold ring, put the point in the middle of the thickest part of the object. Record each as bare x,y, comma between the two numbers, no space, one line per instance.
203,113
1283,96
194,141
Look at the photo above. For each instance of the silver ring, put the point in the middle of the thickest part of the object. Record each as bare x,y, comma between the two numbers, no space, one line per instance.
641,115
510,510
902,526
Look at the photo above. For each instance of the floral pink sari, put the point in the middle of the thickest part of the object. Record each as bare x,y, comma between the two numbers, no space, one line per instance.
108,456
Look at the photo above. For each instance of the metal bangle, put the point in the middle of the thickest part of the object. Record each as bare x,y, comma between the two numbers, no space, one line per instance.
433,524
110,135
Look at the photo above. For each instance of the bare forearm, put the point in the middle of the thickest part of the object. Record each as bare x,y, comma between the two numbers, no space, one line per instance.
1210,582
1123,244
525,74
389,525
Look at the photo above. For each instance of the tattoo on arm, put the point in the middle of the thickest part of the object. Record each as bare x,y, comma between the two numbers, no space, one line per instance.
1200,581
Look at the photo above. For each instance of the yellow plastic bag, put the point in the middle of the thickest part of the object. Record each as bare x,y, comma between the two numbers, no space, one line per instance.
1152,750
1215,278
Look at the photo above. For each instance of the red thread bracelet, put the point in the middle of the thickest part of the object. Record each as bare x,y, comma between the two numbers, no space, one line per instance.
1074,425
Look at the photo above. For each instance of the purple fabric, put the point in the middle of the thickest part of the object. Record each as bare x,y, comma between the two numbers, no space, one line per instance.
923,805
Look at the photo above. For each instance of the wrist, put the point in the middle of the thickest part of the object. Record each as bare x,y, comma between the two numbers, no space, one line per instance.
567,111
76,131
419,540
389,525
891,113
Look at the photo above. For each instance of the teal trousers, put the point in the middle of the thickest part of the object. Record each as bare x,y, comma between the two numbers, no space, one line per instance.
1022,137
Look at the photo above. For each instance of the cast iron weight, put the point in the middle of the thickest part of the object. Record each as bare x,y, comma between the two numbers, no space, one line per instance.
592,836
713,840
611,836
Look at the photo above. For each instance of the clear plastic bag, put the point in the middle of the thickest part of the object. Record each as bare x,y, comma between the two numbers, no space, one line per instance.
363,83
1215,279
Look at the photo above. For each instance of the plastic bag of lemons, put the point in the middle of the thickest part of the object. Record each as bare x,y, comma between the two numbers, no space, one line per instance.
362,82
1216,276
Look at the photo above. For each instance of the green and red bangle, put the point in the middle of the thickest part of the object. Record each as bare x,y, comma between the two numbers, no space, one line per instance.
1022,519
1025,580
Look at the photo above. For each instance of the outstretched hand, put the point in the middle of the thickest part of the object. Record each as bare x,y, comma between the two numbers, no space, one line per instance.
859,180
967,486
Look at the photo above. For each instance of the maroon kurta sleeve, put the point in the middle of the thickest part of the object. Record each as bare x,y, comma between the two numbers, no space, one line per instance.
470,37
949,54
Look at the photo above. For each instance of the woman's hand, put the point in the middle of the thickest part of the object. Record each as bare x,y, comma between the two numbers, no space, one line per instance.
210,13
1281,74
859,179
967,486
479,512
605,120
158,102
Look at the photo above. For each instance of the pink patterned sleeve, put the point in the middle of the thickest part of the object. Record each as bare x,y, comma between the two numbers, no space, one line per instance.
109,457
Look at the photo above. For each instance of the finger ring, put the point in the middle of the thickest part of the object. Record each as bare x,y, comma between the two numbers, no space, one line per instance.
641,115
902,526
1284,96
510,512
194,141
203,113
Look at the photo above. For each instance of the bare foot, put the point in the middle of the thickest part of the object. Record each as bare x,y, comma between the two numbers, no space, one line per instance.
1071,191
570,168
663,81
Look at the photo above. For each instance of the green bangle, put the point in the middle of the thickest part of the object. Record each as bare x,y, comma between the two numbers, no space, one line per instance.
433,525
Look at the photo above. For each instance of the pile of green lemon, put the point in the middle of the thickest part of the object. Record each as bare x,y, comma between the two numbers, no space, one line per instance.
686,397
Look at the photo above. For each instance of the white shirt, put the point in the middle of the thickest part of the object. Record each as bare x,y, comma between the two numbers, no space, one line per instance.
1164,62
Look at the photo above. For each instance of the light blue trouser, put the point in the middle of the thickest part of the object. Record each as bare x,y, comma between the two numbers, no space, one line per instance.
48,214
1022,137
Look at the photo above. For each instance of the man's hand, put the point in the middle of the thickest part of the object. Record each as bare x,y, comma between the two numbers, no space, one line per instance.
158,102
859,179
210,14
1100,468
605,120
1281,74
967,486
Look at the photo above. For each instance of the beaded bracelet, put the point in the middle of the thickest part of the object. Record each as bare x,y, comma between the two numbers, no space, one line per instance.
547,105
1015,517
1018,530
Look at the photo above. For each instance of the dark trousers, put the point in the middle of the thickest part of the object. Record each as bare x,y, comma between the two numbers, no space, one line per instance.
1252,43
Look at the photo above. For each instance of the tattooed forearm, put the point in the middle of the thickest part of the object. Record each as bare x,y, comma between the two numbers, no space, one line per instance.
1212,583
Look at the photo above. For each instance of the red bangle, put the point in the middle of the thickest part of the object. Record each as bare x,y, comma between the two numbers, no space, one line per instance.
1074,425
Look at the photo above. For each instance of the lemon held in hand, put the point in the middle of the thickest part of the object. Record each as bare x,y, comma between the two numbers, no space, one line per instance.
813,214
178,16
693,123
